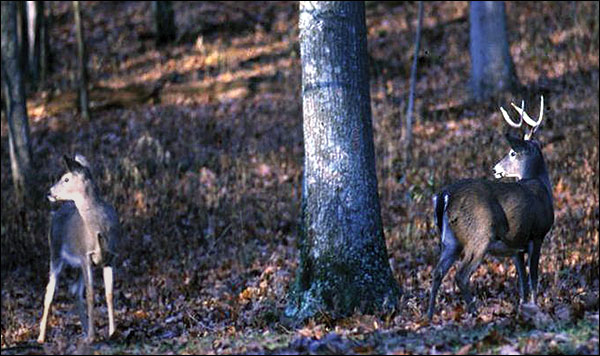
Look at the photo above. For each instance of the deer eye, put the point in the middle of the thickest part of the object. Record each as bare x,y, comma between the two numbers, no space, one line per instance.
513,153
66,180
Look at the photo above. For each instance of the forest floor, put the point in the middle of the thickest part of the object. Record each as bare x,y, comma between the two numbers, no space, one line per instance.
199,146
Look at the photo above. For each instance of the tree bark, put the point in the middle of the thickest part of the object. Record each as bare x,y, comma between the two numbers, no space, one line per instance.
16,111
164,22
43,41
492,68
343,263
82,62
38,41
34,50
23,38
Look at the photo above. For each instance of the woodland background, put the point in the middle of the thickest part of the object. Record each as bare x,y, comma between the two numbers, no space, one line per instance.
199,146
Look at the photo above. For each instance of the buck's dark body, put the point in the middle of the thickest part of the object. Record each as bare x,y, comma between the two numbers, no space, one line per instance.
480,207
478,216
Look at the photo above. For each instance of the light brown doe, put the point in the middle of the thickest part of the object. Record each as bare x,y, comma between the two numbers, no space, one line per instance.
84,231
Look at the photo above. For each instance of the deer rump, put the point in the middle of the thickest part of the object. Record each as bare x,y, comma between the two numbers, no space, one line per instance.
482,209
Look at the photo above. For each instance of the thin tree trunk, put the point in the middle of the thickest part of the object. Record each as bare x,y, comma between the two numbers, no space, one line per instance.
34,49
23,38
16,111
44,43
492,68
164,22
82,63
343,263
411,95
37,41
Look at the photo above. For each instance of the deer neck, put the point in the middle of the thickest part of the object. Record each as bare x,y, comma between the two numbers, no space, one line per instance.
88,202
544,177
90,208
544,180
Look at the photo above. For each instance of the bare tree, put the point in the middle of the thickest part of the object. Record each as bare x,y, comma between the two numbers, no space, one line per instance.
492,68
31,34
42,26
16,110
23,38
164,22
82,64
343,262
38,41
411,95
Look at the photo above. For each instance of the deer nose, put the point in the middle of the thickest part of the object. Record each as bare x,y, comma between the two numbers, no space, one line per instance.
497,172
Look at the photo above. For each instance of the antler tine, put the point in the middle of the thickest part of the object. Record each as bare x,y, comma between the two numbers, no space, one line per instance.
527,118
508,119
521,111
535,124
541,111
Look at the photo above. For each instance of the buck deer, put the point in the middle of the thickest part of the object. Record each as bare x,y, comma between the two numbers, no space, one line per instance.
83,231
476,216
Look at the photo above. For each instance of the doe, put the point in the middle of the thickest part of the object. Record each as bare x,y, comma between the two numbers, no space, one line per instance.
84,231
476,216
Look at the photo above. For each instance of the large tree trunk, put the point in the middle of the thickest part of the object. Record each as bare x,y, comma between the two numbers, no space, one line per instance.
16,112
492,68
164,22
343,263
82,63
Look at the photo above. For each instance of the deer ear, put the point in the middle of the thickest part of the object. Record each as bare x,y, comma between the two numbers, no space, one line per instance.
72,165
82,160
68,162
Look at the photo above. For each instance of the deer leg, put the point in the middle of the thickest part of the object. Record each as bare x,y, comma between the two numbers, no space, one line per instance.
50,288
468,264
89,289
534,259
81,306
108,288
518,260
450,252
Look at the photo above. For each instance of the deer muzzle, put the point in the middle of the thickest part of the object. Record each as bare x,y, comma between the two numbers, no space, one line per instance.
498,172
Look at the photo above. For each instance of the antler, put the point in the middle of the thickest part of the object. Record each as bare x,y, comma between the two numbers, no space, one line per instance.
524,117
534,124
508,119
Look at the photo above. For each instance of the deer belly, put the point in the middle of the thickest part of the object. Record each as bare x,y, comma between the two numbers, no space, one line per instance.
72,259
500,248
